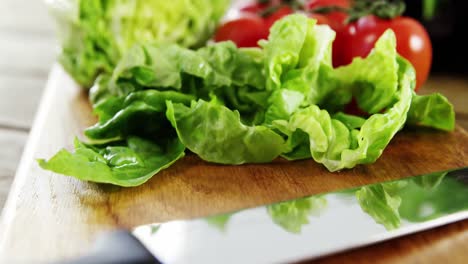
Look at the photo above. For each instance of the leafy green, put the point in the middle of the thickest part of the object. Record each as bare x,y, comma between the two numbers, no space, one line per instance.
283,103
298,55
432,110
219,221
430,181
336,145
431,196
233,75
379,204
234,105
216,134
374,80
415,199
154,228
139,113
292,215
95,33
282,50
126,163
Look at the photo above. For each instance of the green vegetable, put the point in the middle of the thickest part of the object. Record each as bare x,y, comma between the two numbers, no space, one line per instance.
219,221
379,204
432,111
415,199
126,163
233,106
432,196
139,113
95,33
292,215
336,145
216,134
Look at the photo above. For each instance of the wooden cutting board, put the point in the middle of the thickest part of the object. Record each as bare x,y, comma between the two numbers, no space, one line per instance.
49,216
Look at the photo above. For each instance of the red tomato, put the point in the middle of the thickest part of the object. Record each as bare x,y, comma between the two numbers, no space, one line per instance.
245,31
256,8
311,4
353,109
336,20
413,42
321,19
333,16
341,44
277,15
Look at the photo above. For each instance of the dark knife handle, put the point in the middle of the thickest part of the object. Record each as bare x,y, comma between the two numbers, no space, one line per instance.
116,247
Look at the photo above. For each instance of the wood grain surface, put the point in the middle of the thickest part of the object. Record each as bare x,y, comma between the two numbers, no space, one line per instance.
53,216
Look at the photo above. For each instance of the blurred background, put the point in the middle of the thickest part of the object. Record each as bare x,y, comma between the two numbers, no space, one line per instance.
446,22
27,52
28,48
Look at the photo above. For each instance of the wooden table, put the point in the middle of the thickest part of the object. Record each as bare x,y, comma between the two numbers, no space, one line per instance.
27,51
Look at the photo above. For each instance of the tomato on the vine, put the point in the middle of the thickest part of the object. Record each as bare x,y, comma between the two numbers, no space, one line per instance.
244,32
335,19
413,42
253,25
277,14
258,7
321,19
334,16
352,39
255,8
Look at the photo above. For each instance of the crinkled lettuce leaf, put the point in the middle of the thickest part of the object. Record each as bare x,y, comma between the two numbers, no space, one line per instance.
335,144
293,215
95,33
282,50
130,162
234,105
140,113
432,110
219,221
373,80
297,55
376,201
432,196
234,75
216,133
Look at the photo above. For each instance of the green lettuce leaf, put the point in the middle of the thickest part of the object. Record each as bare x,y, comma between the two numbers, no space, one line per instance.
333,143
130,162
292,215
219,221
234,105
233,75
432,110
282,104
298,53
432,196
374,80
217,134
95,33
380,205
282,50
430,181
141,113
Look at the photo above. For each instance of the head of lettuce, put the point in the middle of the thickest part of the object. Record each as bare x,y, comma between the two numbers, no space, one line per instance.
94,34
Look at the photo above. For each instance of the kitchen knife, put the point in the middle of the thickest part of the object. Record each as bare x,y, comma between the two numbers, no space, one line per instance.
296,230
